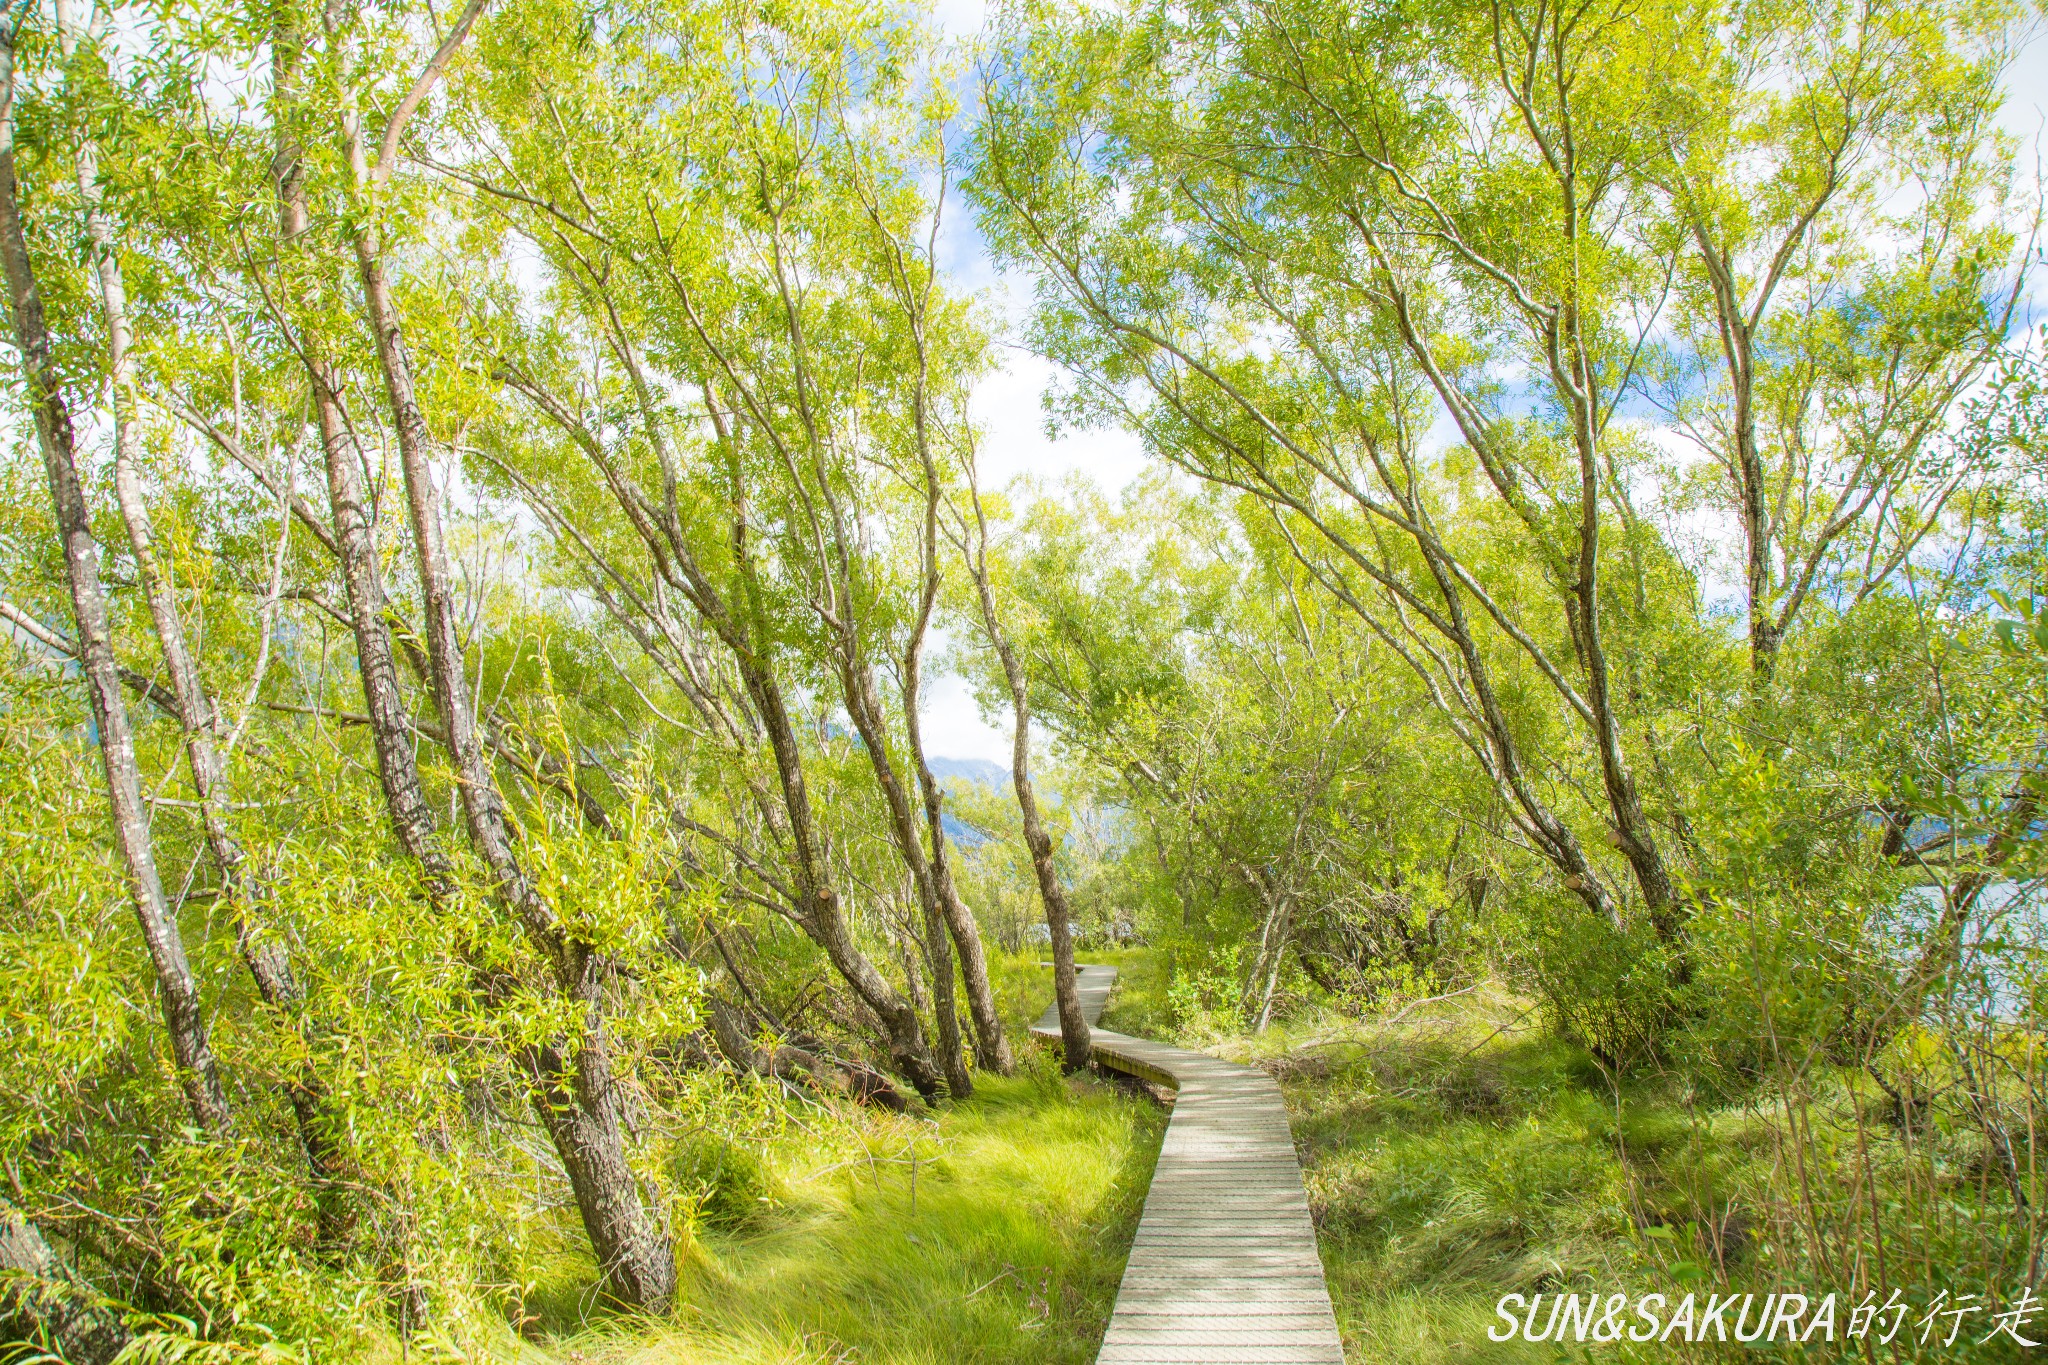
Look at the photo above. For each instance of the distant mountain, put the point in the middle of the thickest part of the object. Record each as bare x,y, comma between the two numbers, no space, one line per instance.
982,770
962,833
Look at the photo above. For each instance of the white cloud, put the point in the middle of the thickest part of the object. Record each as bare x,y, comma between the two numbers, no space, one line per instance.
953,724
960,18
1009,406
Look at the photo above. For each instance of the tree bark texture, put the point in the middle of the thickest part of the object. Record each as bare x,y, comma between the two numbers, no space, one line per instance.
390,724
575,1089
1074,1032
198,1075
42,1302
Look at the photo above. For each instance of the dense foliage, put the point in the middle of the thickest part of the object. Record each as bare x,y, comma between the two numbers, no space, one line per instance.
490,491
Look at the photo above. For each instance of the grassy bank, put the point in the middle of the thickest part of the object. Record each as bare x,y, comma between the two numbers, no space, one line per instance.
993,1230
1457,1155
1455,1151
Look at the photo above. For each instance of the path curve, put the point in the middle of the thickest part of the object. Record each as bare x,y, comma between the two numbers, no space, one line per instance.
1224,1268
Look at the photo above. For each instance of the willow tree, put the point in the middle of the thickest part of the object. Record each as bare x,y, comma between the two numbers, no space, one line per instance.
1291,809
281,312
968,530
743,376
55,407
1291,243
1839,207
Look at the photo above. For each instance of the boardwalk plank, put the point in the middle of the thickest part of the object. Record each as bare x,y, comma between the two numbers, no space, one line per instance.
1224,1268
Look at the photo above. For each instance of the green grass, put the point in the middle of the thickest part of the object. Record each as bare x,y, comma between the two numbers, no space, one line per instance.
1460,1153
1008,1250
1444,1172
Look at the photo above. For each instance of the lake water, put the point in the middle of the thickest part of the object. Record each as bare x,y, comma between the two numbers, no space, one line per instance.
2002,943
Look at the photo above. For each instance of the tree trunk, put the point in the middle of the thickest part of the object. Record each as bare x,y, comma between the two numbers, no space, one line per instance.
991,1048
578,1101
938,950
266,960
482,807
398,772
857,685
816,899
1738,349
821,917
913,976
1075,1037
576,1095
1277,953
41,1302
1764,632
182,1015
412,819
1074,1033
803,1065
1631,833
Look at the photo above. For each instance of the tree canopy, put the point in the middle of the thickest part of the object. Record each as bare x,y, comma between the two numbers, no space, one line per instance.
491,491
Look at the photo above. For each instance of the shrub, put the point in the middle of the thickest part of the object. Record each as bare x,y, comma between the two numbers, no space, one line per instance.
731,1186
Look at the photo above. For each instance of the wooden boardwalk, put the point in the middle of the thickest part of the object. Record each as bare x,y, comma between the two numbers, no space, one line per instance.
1224,1270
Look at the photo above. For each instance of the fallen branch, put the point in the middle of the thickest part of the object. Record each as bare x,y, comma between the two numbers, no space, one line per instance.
1504,1028
817,1069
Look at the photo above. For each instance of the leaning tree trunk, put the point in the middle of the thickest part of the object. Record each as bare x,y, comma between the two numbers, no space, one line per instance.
1277,954
1631,832
1075,1038
574,1086
808,1066
862,705
991,1048
180,991
197,714
938,951
817,908
1074,1033
819,911
390,726
578,1100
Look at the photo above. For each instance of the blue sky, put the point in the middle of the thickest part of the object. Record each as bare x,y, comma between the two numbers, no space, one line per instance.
1010,410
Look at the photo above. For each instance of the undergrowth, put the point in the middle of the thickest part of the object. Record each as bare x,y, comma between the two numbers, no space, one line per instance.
1457,1151
992,1230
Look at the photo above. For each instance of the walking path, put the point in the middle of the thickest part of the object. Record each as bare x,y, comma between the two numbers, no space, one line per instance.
1224,1268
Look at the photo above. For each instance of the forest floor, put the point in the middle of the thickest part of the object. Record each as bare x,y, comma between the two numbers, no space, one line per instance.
1455,1151
994,1230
